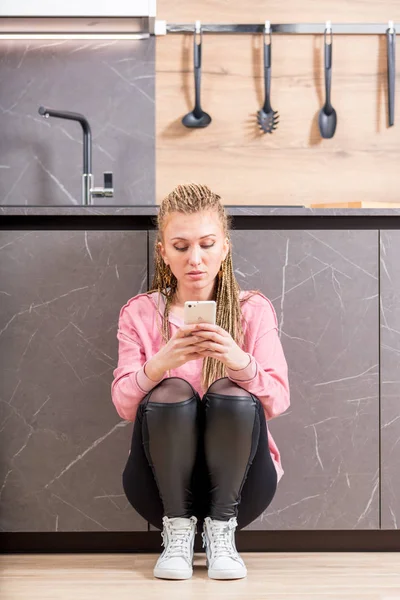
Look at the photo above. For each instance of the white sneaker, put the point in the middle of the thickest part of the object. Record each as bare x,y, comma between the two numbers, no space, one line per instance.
176,560
223,560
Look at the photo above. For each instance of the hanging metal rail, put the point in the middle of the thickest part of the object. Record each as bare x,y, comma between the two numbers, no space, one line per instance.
162,28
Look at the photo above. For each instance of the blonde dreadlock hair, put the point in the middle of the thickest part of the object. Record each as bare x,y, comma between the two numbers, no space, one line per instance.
188,199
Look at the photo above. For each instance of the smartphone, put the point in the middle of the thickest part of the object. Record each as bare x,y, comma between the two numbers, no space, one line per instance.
199,311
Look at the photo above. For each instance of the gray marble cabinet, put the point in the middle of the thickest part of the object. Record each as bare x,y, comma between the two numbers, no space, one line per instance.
62,444
390,377
324,287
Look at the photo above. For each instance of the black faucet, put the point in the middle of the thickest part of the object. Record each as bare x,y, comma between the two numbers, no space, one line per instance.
88,191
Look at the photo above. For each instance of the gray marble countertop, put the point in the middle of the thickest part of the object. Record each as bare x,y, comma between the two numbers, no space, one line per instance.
234,210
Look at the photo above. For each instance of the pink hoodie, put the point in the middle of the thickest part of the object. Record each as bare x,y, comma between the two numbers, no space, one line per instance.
139,339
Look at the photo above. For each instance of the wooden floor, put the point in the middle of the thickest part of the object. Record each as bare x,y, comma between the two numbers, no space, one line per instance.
337,576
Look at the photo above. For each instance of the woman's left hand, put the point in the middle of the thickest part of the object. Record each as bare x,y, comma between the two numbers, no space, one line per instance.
219,344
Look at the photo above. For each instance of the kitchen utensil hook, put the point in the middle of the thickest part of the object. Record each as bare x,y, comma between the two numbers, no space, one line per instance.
267,32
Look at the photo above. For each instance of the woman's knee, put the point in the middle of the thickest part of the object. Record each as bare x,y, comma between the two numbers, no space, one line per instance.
226,387
226,402
171,419
172,390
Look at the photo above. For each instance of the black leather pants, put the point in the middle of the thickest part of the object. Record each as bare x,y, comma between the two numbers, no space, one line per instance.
203,457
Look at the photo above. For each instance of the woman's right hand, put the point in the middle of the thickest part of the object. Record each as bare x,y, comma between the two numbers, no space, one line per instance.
180,349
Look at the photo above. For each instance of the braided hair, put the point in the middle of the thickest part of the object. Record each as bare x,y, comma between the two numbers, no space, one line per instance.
189,199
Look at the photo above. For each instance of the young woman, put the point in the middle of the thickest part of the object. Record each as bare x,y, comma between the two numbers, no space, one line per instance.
200,396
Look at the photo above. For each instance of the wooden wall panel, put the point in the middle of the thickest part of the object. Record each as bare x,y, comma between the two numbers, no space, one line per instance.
294,165
256,11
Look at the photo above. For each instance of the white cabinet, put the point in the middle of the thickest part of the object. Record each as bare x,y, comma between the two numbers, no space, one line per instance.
77,8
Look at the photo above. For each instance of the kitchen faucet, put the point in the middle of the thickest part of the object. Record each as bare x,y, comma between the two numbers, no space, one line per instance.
88,191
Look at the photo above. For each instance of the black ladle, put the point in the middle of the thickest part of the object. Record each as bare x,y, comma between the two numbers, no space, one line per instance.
391,71
197,118
327,119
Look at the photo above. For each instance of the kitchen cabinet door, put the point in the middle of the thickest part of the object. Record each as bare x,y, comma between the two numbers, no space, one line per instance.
390,377
324,287
63,446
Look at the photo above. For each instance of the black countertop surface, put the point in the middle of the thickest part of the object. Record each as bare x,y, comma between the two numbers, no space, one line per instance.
235,210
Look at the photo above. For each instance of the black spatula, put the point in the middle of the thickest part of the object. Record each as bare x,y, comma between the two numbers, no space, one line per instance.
267,118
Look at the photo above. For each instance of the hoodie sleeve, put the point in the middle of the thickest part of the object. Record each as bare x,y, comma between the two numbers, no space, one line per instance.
130,384
266,375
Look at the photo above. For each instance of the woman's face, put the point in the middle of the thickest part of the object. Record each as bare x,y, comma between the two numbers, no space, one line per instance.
194,242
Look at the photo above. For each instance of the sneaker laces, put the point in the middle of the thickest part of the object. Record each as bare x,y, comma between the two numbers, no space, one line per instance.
178,539
221,538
